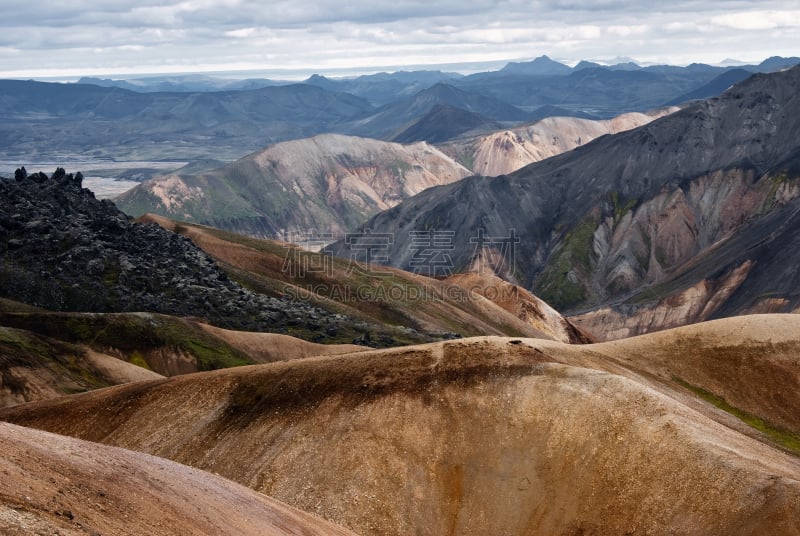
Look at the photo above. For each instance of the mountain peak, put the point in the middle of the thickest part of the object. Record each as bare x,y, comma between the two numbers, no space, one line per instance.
541,66
584,64
777,63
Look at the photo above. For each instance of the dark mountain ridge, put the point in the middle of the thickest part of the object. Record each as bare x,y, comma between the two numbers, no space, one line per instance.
612,215
444,123
715,87
391,119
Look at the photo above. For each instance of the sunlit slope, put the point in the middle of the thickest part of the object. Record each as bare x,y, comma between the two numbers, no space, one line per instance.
59,485
487,435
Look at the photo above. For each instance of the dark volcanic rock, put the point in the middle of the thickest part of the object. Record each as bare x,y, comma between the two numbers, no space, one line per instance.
64,250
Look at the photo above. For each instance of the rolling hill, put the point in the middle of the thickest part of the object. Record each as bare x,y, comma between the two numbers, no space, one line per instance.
33,367
491,435
58,485
46,354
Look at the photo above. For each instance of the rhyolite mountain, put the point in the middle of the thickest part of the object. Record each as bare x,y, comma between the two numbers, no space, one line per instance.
325,184
612,219
63,250
507,150
331,183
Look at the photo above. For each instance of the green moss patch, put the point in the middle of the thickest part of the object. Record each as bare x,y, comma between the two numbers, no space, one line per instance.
785,438
134,335
559,284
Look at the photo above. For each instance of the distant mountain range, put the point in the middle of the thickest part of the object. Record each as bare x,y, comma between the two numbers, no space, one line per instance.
697,208
380,88
332,183
197,117
94,122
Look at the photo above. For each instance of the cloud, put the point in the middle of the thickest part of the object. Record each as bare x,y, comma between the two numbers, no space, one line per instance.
126,36
759,20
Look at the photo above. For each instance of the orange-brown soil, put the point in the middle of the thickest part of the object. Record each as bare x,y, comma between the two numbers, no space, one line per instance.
488,435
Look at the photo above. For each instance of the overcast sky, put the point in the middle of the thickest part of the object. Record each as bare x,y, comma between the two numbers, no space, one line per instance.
44,38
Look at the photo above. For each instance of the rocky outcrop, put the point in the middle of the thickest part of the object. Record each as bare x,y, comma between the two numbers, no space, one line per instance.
64,250
327,184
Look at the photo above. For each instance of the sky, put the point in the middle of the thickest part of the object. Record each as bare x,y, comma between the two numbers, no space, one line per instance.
291,39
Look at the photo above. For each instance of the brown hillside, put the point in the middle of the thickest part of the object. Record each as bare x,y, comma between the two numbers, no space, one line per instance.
522,304
424,304
34,367
490,435
45,354
269,347
59,485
